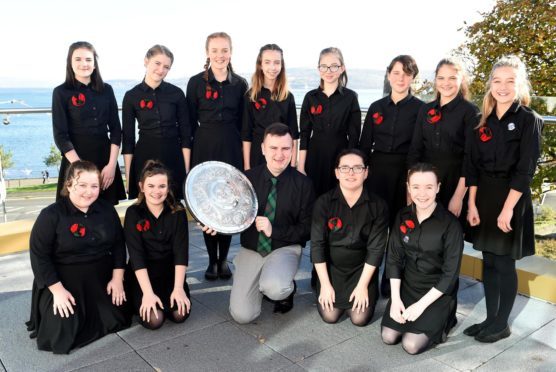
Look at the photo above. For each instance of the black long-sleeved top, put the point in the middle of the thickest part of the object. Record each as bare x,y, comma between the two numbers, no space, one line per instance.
509,147
433,247
160,112
54,242
257,116
446,136
389,126
83,111
336,116
150,238
295,198
363,228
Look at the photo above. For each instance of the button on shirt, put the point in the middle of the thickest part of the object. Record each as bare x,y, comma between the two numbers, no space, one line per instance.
513,150
160,112
391,130
83,111
294,206
52,241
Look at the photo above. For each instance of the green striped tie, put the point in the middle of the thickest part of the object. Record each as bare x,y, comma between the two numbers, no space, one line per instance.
265,243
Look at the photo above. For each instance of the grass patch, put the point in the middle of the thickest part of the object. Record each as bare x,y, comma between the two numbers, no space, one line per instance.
45,187
546,248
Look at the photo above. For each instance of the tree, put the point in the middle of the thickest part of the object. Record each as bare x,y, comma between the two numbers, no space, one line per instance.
54,157
5,159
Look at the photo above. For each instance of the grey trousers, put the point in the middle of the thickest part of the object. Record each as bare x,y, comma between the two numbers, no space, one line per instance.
256,276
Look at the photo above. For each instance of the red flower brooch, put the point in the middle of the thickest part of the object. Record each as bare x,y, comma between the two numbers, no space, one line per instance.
433,116
316,110
407,226
211,94
78,100
260,104
146,104
485,134
378,118
143,225
334,224
78,230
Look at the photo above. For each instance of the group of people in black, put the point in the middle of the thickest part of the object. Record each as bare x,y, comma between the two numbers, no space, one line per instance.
405,188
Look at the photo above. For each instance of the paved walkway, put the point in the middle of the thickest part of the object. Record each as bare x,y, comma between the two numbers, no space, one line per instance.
210,341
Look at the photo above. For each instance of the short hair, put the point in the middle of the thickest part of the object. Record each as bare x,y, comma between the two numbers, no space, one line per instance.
409,65
73,172
356,152
422,168
277,129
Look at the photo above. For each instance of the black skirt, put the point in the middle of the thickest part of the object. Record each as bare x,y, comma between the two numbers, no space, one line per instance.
96,150
491,196
166,150
94,314
321,159
220,142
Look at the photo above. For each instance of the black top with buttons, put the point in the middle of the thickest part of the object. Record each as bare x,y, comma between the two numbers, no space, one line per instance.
389,126
151,238
160,112
64,235
506,147
83,111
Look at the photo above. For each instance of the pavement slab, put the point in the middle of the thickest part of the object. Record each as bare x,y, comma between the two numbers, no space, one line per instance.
127,362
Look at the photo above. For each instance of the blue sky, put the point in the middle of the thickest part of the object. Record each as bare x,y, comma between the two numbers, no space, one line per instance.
37,33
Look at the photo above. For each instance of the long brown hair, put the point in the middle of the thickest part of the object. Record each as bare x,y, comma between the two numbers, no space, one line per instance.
73,172
280,89
153,168
343,79
215,35
96,80
458,66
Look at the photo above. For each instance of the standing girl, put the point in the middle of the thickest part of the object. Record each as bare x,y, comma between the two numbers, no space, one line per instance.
85,121
164,131
157,239
215,98
268,101
504,151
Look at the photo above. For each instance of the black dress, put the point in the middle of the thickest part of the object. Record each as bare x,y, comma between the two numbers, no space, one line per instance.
424,256
87,121
216,117
164,130
348,238
327,126
386,137
155,244
503,157
257,116
80,250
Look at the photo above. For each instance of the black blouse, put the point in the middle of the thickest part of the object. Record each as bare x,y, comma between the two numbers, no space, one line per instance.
295,198
337,116
434,246
361,228
160,112
506,147
223,104
85,112
150,238
64,235
257,116
389,126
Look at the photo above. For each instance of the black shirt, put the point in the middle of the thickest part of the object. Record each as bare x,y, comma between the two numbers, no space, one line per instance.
150,238
434,247
257,116
391,129
85,112
223,104
337,116
361,229
160,112
294,204
64,235
512,150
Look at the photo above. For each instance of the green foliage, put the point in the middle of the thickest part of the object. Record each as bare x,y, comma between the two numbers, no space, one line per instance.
54,157
6,158
546,172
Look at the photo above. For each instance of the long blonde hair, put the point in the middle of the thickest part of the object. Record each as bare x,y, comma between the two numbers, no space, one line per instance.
522,84
215,35
280,89
458,66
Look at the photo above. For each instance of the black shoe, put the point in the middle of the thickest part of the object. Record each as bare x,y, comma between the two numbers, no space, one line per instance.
473,330
486,336
285,305
224,271
212,272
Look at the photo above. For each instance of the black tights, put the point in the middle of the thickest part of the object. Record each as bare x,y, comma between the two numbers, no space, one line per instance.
500,283
156,323
359,319
412,343
217,247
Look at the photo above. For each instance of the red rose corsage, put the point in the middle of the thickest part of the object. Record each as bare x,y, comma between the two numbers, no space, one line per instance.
211,94
260,104
407,226
378,118
78,100
78,230
143,225
433,116
485,134
146,104
334,224
316,110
